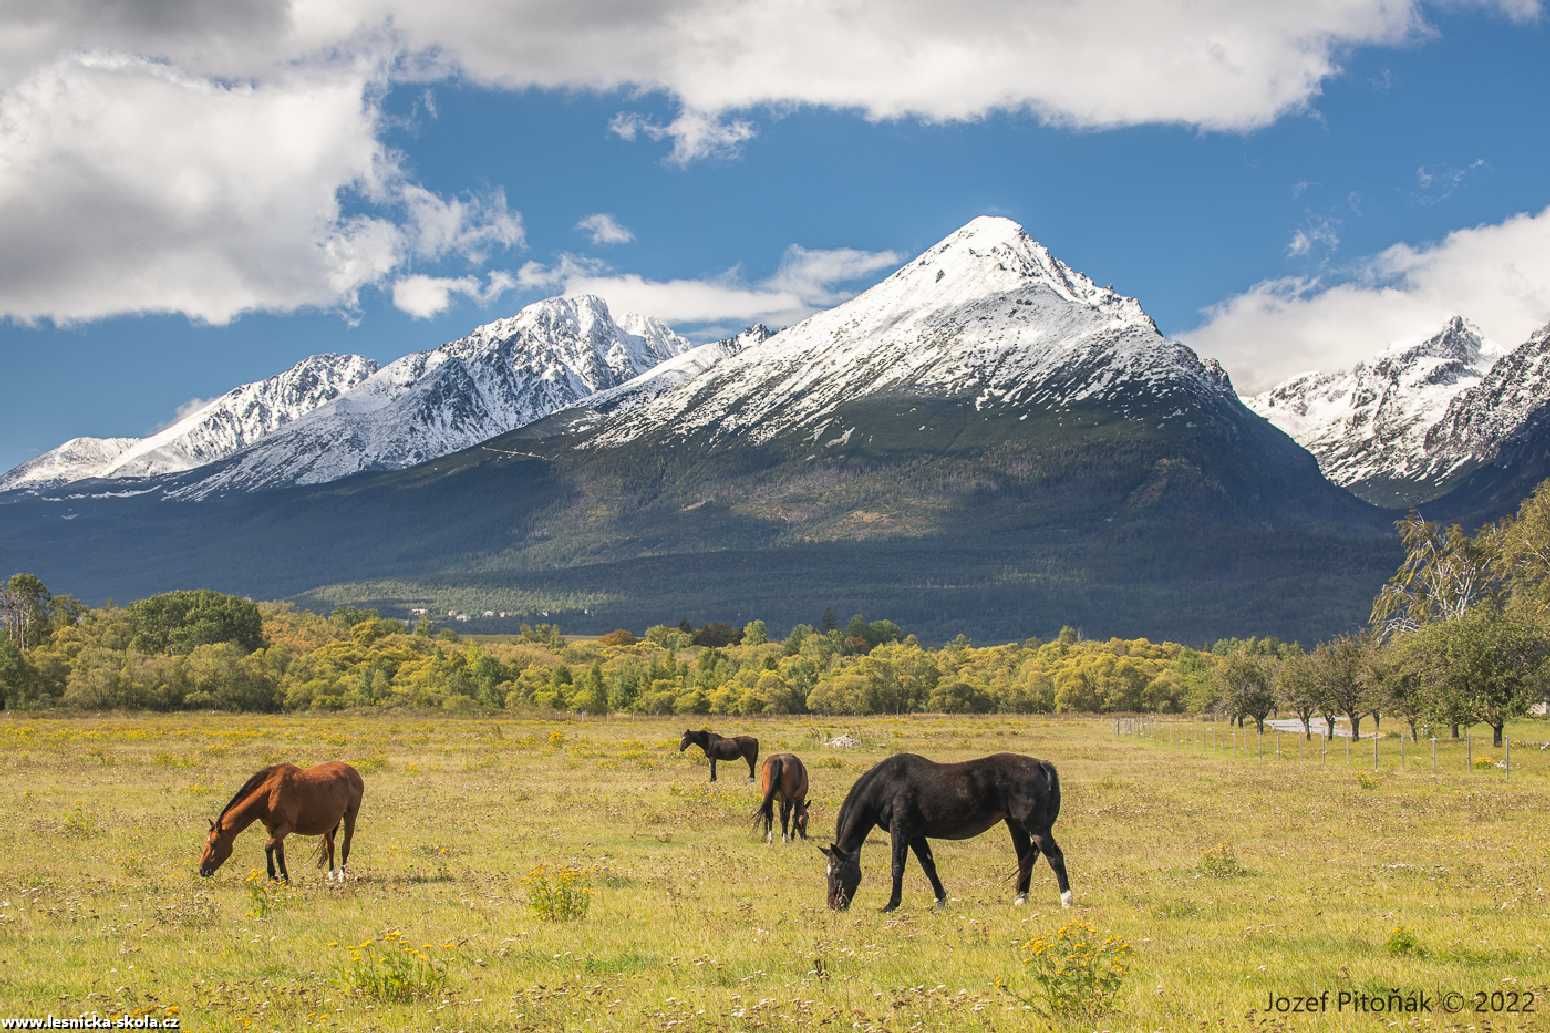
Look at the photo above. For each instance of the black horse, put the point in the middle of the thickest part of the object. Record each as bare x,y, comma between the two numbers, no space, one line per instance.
913,798
719,747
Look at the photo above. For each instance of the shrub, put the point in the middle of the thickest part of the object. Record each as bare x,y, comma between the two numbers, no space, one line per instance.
1221,862
390,968
559,895
1076,972
1403,944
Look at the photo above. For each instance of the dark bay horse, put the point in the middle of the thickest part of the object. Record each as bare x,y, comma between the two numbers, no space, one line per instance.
719,747
287,799
782,775
913,798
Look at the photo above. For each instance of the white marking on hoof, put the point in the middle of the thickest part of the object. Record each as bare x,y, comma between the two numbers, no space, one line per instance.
941,903
1020,899
1065,899
342,873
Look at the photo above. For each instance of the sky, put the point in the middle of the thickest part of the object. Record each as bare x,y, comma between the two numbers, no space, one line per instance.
193,196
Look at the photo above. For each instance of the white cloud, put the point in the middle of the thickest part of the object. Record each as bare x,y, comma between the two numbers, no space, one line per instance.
605,229
1318,233
696,135
128,186
464,226
424,296
1439,182
1212,64
805,281
1497,275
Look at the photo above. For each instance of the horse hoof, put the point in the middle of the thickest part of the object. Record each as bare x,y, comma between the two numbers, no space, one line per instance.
941,903
1065,899
888,908
1020,900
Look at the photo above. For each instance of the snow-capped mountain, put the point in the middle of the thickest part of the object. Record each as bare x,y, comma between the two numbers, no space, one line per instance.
1478,421
503,375
987,313
214,430
1401,428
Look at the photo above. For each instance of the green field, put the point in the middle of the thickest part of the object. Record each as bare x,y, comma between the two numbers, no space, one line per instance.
1231,876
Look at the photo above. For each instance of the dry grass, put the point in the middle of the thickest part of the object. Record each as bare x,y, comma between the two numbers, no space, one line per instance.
694,925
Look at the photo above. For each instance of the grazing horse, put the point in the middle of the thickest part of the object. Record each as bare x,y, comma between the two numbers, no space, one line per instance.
783,775
287,799
913,798
718,747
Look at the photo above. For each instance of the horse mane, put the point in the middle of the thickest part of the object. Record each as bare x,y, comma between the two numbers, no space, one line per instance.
860,786
247,787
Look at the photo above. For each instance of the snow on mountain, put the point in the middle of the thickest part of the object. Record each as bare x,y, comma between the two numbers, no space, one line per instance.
988,312
213,430
75,459
503,375
1478,421
1396,428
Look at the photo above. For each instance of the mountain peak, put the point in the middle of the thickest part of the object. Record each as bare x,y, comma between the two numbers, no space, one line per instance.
992,255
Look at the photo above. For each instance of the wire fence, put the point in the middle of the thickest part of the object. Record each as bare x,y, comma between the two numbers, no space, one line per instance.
1386,750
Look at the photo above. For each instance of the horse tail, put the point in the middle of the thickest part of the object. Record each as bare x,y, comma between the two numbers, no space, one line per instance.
323,845
1053,806
766,809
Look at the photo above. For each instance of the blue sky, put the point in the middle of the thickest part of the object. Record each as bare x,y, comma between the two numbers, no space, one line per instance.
1270,244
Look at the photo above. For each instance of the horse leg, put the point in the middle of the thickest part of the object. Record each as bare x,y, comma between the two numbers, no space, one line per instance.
1027,857
328,846
785,821
349,834
928,865
713,769
901,847
749,757
1057,861
269,859
276,847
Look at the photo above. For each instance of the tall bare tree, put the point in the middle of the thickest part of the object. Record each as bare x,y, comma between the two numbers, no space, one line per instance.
1444,573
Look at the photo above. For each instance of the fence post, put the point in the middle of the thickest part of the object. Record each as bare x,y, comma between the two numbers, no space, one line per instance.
1469,752
1348,751
1375,751
1401,749
1507,753
1434,753
1278,742
1323,749
1260,735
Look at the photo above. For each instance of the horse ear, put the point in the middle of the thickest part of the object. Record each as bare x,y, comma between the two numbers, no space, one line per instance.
212,824
826,851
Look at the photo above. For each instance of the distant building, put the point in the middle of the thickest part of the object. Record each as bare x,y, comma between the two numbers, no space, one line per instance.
489,613
418,611
461,618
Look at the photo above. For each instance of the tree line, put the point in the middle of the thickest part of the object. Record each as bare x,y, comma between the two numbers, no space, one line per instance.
1459,635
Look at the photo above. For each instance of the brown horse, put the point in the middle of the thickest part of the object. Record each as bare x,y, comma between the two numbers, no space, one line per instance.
718,747
783,775
287,799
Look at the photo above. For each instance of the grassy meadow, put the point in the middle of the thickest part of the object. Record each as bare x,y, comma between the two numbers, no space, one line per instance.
1230,877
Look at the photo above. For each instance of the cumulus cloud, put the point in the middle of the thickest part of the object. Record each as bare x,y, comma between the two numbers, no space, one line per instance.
129,186
1497,275
423,296
1213,64
604,229
805,281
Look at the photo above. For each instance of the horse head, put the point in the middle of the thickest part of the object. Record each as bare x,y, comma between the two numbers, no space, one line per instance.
799,823
844,873
217,850
686,741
